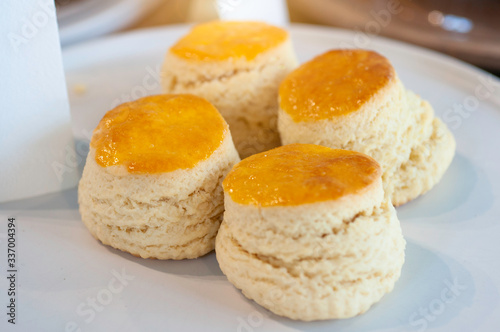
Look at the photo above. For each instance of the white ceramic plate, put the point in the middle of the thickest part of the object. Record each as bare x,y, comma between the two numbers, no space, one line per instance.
451,278
85,19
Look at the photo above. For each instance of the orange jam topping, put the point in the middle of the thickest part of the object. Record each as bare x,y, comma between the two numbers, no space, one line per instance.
223,40
299,174
335,83
159,134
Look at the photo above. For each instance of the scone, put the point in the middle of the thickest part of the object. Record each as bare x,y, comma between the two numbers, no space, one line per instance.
152,182
354,100
238,67
307,232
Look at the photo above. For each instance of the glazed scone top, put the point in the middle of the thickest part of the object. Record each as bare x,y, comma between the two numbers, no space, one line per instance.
223,40
299,174
333,84
159,134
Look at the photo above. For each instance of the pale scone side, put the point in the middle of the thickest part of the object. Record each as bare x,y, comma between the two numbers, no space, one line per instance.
172,215
427,164
316,261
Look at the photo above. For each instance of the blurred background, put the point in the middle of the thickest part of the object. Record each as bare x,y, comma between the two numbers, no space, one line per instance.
466,29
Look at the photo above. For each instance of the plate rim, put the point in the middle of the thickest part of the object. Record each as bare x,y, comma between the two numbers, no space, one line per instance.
72,50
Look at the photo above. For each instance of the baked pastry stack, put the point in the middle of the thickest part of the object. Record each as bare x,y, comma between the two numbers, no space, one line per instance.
307,232
354,100
151,184
238,67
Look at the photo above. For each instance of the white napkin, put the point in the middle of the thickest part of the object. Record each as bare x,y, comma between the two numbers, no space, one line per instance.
270,11
37,153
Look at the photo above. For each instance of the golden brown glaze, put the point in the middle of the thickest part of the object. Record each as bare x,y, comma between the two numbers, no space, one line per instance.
158,134
335,83
223,40
299,174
